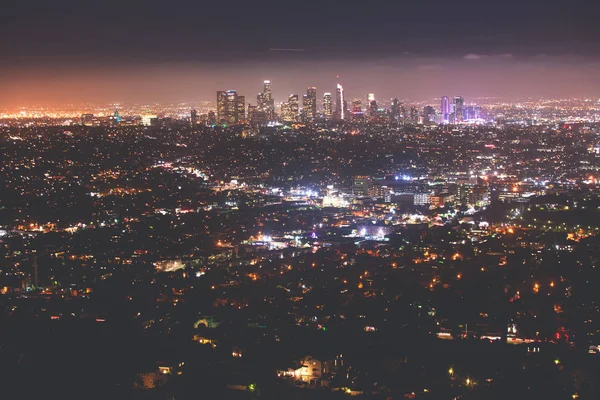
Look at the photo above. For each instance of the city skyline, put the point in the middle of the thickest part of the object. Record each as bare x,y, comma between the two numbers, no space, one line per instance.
505,76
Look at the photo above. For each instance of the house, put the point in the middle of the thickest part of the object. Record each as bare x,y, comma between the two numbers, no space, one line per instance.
308,370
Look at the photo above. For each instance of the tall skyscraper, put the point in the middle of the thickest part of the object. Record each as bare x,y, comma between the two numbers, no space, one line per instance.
414,115
286,115
429,115
395,111
340,107
294,106
327,106
370,97
345,109
403,114
267,89
193,117
289,109
260,101
231,108
445,110
373,109
241,109
459,109
212,118
309,105
222,106
266,102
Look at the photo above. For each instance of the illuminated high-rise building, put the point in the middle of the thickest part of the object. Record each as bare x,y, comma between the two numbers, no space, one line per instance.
265,102
222,106
241,109
373,109
294,106
289,109
256,116
445,110
370,97
429,116
231,108
403,114
267,90
260,101
340,107
327,107
284,111
193,117
212,118
395,111
309,105
459,109
414,115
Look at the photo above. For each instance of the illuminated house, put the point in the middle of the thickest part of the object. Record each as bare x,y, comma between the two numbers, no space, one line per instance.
311,371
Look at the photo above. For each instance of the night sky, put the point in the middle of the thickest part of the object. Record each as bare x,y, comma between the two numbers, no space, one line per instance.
54,52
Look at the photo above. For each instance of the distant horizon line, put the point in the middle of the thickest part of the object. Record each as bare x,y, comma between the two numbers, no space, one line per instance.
188,102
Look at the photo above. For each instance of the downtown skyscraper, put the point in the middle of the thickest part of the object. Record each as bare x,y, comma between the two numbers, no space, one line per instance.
459,109
309,105
327,107
446,110
231,107
340,108
289,109
265,101
395,111
414,116
373,109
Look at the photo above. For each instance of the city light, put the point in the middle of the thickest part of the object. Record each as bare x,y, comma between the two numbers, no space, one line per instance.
186,211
